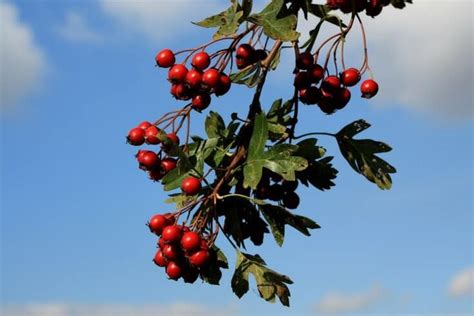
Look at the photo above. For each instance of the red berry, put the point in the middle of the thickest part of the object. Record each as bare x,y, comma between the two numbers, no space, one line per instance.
151,134
374,8
165,58
190,241
204,245
241,63
304,61
193,78
173,138
350,77
173,270
260,54
291,200
301,80
315,73
180,91
168,164
199,258
341,98
157,223
310,95
201,101
170,252
155,174
246,52
369,88
191,186
331,84
211,77
177,73
171,234
201,61
144,125
136,136
159,259
148,160
223,86
161,243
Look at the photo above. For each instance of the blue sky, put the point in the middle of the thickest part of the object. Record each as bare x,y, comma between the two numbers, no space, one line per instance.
79,75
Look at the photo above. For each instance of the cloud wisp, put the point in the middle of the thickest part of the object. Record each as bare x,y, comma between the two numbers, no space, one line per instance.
334,303
462,283
22,61
65,309
76,29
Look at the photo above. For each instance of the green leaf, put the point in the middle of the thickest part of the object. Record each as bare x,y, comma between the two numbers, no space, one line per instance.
277,22
360,154
228,21
278,217
319,173
323,12
270,284
308,149
252,172
246,8
214,124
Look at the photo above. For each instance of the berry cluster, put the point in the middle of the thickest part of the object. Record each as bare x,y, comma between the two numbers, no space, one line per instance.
182,252
195,84
332,94
246,55
372,7
280,191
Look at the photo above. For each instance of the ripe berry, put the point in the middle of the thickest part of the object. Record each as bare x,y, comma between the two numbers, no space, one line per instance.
199,258
341,98
190,241
310,95
161,243
275,192
157,223
165,58
260,54
350,77
201,101
170,252
144,125
191,186
301,80
304,60
136,136
331,84
369,88
223,86
245,52
173,138
151,134
193,78
177,73
173,270
155,174
374,8
315,73
171,234
168,164
148,160
291,200
159,259
201,61
181,91
211,77
289,186
326,104
204,245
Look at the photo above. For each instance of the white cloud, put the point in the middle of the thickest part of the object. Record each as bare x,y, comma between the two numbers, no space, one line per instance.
462,284
22,62
158,20
76,29
343,302
421,56
63,309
